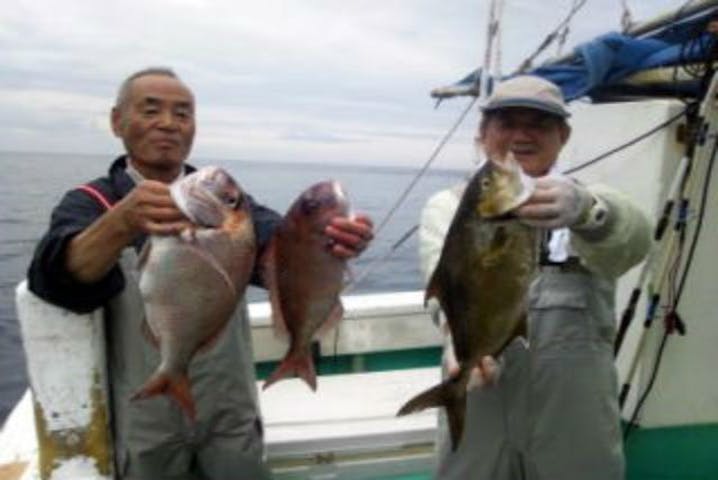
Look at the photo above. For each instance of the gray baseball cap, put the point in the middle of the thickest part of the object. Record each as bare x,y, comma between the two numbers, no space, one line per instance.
527,91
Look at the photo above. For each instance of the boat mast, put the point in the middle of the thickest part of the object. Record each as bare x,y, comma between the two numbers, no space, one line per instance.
491,65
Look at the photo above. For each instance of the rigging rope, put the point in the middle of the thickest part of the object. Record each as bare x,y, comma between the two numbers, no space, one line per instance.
526,64
676,291
491,67
635,140
370,268
493,33
626,16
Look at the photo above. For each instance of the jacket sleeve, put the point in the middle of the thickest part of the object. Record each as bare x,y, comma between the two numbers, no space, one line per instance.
48,276
621,242
435,220
265,222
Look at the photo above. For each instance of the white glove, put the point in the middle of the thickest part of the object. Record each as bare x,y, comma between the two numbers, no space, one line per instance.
486,373
557,202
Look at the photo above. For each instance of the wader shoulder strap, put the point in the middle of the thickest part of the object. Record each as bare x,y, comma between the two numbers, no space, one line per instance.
97,195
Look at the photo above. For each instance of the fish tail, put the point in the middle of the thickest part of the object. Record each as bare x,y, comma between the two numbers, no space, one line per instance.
450,394
300,364
177,387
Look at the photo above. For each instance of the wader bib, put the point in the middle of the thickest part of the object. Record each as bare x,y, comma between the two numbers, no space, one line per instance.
154,440
553,414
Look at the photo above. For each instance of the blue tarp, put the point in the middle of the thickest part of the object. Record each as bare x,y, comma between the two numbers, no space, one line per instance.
608,59
599,66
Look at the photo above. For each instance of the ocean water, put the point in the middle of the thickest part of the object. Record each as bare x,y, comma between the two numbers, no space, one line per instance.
32,183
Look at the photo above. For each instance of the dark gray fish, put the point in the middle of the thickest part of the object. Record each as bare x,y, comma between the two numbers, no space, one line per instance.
481,280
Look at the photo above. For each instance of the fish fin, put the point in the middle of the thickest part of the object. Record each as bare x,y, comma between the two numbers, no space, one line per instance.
333,319
432,288
216,265
144,254
211,340
521,330
450,394
177,387
149,334
295,363
268,268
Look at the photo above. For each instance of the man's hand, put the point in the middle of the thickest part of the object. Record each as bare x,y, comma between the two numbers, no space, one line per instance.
485,373
557,202
349,236
149,209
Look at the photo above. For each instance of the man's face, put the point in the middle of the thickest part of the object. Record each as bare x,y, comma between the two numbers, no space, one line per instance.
156,125
534,137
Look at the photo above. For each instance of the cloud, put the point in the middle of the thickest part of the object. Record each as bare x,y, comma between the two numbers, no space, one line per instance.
326,80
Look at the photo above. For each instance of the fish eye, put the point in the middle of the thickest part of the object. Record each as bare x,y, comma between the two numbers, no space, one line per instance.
309,205
485,183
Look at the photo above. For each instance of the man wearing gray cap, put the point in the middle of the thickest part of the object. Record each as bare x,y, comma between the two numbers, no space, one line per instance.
547,407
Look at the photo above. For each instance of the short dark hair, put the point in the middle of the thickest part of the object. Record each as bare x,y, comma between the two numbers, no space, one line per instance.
124,91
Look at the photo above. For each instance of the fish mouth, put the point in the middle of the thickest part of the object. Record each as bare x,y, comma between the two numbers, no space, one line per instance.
340,194
517,189
338,190
528,185
206,195
198,204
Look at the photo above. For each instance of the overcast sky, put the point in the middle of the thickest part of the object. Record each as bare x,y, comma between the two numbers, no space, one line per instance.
304,80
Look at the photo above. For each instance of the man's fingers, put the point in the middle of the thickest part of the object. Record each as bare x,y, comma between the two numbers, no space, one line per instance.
538,211
165,201
540,196
165,228
340,251
152,193
163,214
489,369
365,220
485,373
349,236
152,186
360,226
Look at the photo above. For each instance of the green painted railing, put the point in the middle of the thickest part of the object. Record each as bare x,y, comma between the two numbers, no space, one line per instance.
368,362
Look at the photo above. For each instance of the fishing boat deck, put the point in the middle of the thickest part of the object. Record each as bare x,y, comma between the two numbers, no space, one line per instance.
349,421
347,426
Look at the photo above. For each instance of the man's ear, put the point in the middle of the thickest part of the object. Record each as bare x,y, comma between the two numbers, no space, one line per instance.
116,121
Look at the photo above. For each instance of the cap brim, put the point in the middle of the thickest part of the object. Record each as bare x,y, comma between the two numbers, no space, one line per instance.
526,103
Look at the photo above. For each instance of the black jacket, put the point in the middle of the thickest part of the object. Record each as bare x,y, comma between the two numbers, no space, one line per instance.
49,279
